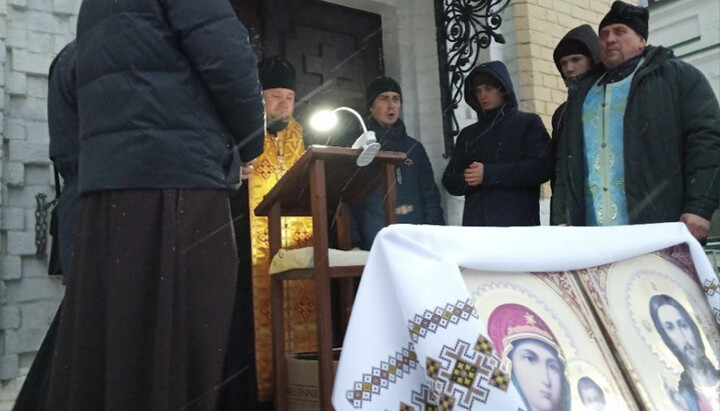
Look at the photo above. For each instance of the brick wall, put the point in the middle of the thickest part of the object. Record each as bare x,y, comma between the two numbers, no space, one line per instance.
31,33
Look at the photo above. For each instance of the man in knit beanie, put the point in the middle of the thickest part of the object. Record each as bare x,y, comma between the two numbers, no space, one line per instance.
623,33
640,139
418,198
379,86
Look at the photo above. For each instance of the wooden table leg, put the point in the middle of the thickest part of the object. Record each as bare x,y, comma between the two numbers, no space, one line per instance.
347,285
278,338
318,202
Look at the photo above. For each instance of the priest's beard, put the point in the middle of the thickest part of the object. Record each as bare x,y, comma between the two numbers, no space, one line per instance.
276,125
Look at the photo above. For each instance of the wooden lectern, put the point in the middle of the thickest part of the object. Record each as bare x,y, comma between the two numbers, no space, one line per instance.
324,178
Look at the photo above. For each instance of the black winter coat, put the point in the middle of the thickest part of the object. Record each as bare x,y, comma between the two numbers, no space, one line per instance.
64,146
418,198
165,89
671,142
515,150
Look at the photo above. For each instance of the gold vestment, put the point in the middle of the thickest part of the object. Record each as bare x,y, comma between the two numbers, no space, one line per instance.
279,154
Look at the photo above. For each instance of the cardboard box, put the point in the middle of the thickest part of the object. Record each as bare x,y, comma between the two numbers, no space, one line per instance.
303,380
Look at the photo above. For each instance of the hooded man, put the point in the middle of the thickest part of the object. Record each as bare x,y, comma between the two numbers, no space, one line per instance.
282,148
649,126
575,55
499,163
418,198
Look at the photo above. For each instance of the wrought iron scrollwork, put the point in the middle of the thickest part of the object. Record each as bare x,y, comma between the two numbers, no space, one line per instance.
464,27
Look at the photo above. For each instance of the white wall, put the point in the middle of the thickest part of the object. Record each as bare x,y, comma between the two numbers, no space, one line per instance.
692,29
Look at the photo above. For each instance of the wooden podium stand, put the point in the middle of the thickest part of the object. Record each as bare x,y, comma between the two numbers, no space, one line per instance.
324,178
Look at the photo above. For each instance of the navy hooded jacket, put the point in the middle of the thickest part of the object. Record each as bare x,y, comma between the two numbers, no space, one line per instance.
166,90
514,148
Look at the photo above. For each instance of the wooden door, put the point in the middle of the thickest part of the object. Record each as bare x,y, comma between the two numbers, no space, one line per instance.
336,51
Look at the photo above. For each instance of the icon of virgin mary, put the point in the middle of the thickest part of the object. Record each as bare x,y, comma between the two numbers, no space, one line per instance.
532,356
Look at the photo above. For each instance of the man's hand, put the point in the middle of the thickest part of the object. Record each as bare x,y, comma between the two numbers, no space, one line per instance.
247,169
474,174
697,225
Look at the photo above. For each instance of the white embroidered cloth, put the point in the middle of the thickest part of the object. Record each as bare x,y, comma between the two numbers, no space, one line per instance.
412,302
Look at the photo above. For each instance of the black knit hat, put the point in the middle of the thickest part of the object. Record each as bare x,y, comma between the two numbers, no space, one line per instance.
378,86
276,72
568,47
635,17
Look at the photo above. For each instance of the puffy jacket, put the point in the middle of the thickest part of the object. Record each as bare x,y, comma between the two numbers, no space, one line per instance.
418,198
514,148
64,146
166,90
671,140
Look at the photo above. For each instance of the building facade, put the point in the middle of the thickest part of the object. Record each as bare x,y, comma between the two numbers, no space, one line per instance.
32,32
691,28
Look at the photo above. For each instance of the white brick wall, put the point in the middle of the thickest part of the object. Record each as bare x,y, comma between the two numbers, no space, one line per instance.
31,33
